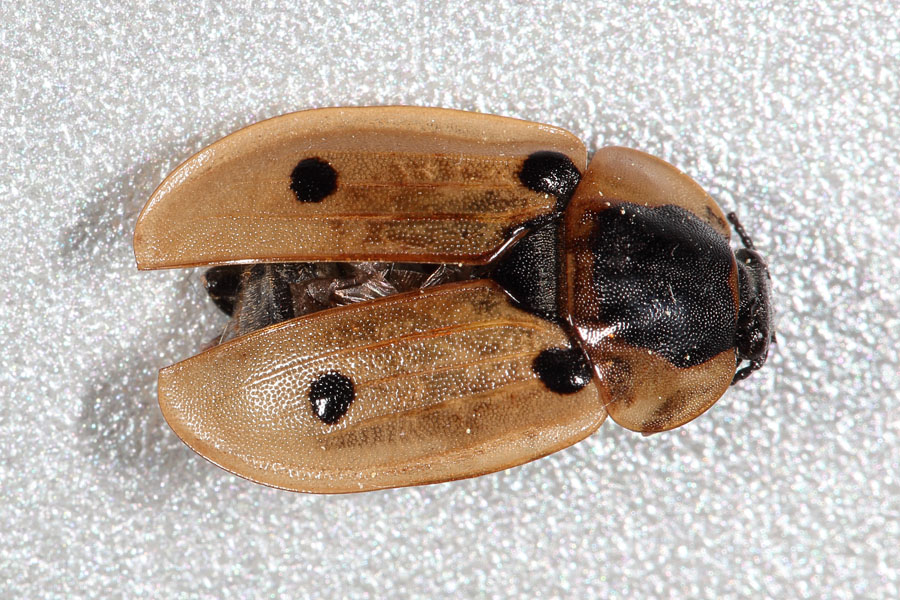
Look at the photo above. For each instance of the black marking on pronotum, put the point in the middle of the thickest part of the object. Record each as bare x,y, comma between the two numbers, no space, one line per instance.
663,276
313,179
550,173
562,370
331,395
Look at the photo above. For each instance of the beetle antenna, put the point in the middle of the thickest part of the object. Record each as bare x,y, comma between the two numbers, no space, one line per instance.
742,233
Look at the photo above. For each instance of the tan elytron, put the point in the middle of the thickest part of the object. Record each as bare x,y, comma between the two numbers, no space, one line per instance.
444,389
643,392
413,184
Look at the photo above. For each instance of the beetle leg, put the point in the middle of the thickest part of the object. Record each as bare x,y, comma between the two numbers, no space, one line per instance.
754,365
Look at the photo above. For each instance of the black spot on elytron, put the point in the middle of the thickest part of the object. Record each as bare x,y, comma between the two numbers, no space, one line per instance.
562,370
550,173
222,284
313,179
529,271
331,395
662,276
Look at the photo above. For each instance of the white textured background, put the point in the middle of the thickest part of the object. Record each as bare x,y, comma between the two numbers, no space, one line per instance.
788,488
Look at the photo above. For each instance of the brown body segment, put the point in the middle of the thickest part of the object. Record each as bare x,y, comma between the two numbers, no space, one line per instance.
443,387
630,175
646,387
375,184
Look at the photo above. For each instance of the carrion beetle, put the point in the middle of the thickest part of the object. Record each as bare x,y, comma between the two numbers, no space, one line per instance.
420,295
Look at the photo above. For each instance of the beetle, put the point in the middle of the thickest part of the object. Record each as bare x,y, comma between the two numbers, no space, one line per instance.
421,295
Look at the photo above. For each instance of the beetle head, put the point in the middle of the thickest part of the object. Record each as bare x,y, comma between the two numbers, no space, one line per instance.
754,324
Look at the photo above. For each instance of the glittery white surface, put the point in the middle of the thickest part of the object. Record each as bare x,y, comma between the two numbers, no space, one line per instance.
788,488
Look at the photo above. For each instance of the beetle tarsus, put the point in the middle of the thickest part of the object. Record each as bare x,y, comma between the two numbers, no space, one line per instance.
744,373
